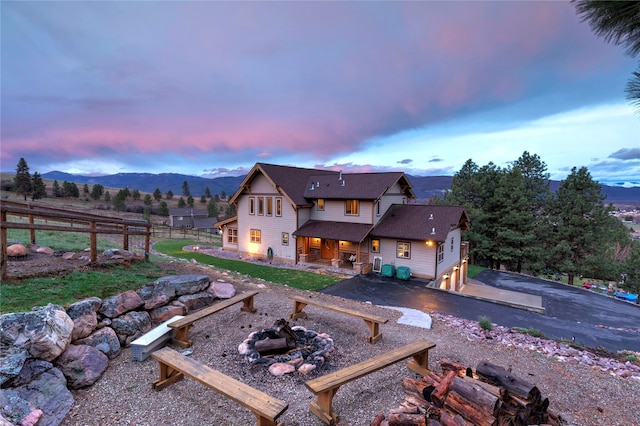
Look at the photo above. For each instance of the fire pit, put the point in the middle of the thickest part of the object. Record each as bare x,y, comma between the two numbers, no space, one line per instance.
286,349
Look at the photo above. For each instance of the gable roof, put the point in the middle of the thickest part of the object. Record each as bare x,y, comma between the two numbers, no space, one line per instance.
352,232
420,222
361,186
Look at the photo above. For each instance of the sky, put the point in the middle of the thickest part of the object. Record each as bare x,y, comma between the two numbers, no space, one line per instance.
209,88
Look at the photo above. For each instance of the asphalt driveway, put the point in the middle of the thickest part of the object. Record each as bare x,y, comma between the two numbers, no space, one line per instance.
591,319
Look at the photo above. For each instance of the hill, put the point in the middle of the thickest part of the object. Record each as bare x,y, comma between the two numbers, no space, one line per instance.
425,187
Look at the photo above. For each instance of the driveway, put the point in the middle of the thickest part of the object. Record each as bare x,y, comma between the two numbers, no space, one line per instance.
591,319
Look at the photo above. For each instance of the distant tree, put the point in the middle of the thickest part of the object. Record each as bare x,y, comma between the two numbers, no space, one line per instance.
207,192
85,190
212,208
135,194
107,197
118,201
97,191
70,190
125,191
147,200
223,195
157,195
203,199
146,213
185,189
190,201
56,190
39,188
22,181
631,270
230,211
163,209
169,195
181,203
216,197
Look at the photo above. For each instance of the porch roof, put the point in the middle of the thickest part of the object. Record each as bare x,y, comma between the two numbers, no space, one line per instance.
352,232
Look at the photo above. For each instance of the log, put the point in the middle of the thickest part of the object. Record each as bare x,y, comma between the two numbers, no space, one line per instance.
452,420
428,407
511,383
405,409
415,387
476,396
434,376
377,421
447,366
441,390
403,419
268,345
498,391
457,404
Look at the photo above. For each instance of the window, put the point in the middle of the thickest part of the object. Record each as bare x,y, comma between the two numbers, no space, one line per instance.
285,238
377,208
404,250
440,253
320,204
261,206
351,207
232,236
252,205
451,244
278,206
375,246
180,217
269,206
255,236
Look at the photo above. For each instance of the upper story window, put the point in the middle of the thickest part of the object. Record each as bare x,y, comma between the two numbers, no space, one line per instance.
404,250
269,206
452,245
351,207
440,253
232,236
252,205
180,217
320,204
278,206
375,246
377,208
261,206
256,236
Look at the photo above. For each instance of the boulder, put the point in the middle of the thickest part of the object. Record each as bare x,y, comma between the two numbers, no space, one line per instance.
44,250
11,362
16,411
131,326
194,302
121,303
82,365
16,250
156,294
85,317
44,386
105,340
281,368
222,290
186,284
45,332
163,313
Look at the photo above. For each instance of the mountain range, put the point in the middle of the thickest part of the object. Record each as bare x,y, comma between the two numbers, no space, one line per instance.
425,187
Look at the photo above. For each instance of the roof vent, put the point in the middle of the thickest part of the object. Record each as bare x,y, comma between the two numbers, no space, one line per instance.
431,216
313,187
433,231
340,177
318,184
342,183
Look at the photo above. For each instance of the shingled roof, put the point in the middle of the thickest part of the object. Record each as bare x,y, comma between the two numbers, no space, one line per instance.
361,186
352,232
420,222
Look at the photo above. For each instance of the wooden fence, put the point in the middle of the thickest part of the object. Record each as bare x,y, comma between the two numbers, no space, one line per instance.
77,222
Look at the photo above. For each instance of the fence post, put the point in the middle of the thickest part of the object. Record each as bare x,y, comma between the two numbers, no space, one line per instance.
3,237
93,242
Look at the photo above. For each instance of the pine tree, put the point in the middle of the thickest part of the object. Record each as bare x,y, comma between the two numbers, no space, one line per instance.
185,189
169,195
190,201
22,181
97,191
147,200
135,194
163,209
157,195
203,199
181,203
212,208
39,188
207,192
57,192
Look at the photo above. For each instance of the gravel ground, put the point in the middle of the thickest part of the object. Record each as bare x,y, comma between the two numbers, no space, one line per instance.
124,395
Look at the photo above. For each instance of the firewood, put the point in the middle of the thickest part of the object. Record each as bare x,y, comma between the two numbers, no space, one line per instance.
407,410
513,384
437,378
402,419
271,345
452,420
414,387
498,391
476,396
429,408
432,422
377,421
458,404
447,366
440,392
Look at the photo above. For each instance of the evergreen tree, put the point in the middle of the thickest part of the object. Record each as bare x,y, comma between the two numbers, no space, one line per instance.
223,195
22,181
85,190
181,203
135,194
212,208
230,211
126,192
39,188
169,195
147,200
157,195
185,189
107,197
203,199
118,201
190,201
631,270
207,192
97,191
70,190
146,214
56,190
216,197
163,209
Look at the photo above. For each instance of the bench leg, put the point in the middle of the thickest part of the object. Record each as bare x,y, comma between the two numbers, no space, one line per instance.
182,337
420,363
168,376
374,330
248,305
322,407
297,310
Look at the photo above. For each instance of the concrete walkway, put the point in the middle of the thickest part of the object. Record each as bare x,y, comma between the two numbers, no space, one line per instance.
477,290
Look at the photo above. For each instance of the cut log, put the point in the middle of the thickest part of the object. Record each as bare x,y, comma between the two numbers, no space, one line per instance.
457,404
268,345
476,396
402,419
377,421
426,406
447,419
498,391
415,387
447,366
412,409
441,390
498,375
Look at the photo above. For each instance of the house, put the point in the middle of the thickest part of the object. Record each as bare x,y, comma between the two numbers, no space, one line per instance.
346,220
188,218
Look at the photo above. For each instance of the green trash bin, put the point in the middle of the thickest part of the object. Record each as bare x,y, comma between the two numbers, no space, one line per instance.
403,273
388,270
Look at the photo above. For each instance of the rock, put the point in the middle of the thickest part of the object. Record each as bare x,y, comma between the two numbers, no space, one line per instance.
45,387
17,411
105,340
44,250
121,303
186,284
44,332
222,290
11,362
131,326
84,316
156,294
16,250
163,313
306,368
281,368
82,365
194,302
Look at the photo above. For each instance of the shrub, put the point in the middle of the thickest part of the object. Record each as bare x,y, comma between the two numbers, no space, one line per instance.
485,323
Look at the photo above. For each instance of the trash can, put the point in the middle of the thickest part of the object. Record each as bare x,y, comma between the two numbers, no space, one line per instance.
403,273
388,270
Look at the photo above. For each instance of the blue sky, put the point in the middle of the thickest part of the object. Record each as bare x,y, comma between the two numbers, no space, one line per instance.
210,88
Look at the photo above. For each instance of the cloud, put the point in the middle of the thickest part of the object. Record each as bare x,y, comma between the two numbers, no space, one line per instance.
405,161
626,154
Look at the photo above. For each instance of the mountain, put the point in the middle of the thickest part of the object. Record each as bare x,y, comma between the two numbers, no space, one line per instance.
425,187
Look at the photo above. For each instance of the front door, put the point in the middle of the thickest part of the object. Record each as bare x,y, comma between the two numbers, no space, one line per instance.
327,249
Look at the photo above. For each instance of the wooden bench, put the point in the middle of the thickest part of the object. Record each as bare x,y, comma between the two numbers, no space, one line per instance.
182,326
372,321
325,387
174,366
